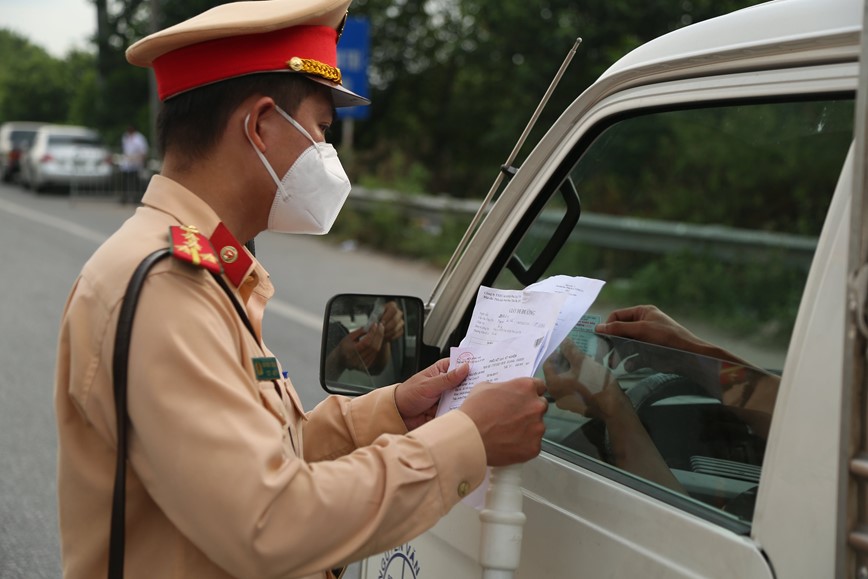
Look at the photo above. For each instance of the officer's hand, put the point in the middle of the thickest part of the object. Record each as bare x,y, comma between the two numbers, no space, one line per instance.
417,397
509,416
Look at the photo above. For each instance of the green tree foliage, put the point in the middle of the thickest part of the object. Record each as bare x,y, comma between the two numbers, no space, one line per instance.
33,85
119,91
83,108
454,82
36,86
118,94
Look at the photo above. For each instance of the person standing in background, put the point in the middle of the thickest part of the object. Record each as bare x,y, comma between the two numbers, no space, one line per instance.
135,153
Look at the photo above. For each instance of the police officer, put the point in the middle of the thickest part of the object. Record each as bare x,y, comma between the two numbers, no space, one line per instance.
227,475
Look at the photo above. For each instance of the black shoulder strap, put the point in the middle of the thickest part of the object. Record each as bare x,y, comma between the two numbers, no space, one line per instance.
119,378
235,303
120,360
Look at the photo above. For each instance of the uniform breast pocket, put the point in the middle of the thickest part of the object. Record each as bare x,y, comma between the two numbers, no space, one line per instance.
273,402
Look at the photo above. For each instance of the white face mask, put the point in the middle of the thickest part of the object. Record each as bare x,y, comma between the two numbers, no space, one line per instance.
311,194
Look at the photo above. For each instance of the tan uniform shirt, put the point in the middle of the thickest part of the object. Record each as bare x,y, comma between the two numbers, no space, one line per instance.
227,476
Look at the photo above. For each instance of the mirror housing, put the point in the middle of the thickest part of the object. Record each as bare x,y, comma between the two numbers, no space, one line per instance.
370,341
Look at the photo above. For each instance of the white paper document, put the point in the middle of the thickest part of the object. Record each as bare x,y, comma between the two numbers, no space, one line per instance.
580,293
501,316
489,363
512,332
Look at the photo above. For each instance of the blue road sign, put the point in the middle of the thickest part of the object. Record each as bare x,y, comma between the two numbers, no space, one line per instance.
353,54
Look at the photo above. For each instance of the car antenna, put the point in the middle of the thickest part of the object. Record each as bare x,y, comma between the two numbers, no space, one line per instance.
506,168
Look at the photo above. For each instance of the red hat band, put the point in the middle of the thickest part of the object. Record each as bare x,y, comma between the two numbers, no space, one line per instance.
304,49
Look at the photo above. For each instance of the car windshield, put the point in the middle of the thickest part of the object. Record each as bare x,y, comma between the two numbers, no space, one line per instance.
89,140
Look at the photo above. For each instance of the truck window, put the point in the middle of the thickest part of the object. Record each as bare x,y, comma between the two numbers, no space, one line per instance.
711,214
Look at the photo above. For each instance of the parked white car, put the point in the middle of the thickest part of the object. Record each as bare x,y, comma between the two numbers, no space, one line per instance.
15,138
66,155
709,172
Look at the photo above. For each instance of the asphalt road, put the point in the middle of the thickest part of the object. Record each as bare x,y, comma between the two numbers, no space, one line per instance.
45,240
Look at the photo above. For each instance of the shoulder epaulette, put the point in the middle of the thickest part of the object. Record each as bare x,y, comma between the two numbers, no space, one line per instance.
191,246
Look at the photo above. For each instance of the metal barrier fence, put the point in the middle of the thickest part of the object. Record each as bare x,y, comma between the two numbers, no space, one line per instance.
626,233
120,186
599,230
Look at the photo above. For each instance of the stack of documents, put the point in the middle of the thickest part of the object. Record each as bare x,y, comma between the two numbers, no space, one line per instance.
512,332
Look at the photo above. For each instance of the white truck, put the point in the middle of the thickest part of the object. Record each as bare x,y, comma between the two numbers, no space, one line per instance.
717,173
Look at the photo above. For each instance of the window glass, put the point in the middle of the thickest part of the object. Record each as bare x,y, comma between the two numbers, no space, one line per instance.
712,216
22,138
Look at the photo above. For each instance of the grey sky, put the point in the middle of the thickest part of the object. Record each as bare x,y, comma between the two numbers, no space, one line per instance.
55,25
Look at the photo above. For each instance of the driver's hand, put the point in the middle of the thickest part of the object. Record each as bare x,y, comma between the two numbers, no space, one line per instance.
359,348
393,322
580,384
649,324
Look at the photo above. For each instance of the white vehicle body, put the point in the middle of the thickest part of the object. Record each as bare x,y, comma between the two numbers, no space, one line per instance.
66,155
585,519
15,139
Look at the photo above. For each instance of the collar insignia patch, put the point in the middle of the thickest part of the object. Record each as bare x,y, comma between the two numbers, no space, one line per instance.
235,261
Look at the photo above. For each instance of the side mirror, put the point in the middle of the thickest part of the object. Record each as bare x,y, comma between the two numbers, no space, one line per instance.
370,341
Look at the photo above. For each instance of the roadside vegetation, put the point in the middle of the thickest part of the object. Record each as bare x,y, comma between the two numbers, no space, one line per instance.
453,84
390,229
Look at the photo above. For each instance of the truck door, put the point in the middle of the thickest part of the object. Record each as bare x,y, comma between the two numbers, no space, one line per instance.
705,198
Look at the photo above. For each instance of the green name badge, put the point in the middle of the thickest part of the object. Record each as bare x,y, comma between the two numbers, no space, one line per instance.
266,368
